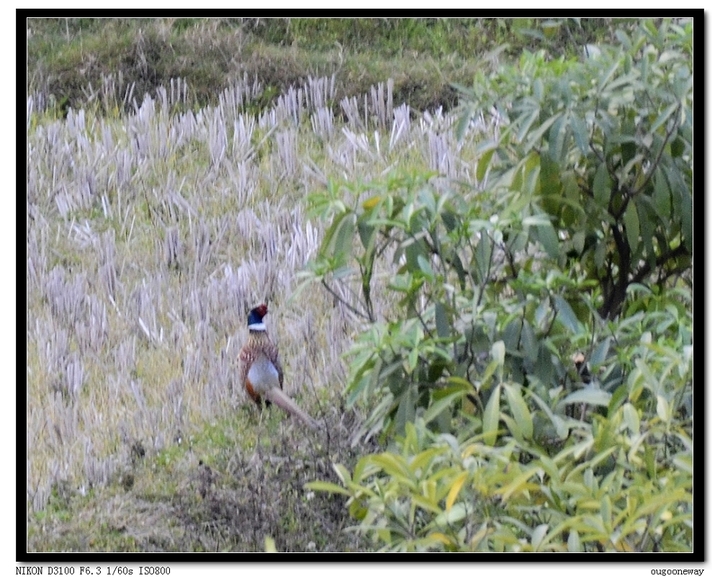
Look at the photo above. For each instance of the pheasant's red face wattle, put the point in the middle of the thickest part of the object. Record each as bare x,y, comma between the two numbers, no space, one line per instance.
261,310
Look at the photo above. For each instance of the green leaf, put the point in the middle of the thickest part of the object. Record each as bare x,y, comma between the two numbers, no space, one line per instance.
495,52
423,459
456,384
624,39
571,190
632,226
566,315
441,320
449,219
606,511
574,544
601,186
483,163
436,408
459,268
661,196
340,244
462,123
519,410
684,462
608,75
622,82
537,219
367,233
364,469
326,487
392,464
556,139
647,229
412,359
529,342
677,147
518,483
357,510
488,373
631,418
426,504
663,409
328,242
342,472
593,396
455,489
427,199
413,252
406,409
498,352
550,183
538,535
549,239
651,381
664,116
425,266
491,417
457,513
580,131
599,353
600,254
531,173
578,241
619,395
559,422
539,132
526,120
483,256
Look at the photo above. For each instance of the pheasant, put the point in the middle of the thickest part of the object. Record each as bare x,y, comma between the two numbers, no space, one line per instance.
260,369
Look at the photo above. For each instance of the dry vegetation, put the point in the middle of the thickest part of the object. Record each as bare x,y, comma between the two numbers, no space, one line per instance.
149,236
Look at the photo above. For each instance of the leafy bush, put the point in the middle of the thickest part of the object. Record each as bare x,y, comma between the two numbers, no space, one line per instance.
539,397
604,148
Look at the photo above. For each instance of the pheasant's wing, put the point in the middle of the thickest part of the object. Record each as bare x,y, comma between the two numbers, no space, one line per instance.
246,358
271,351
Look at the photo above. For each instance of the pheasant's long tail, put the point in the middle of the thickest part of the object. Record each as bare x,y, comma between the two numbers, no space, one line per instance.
279,398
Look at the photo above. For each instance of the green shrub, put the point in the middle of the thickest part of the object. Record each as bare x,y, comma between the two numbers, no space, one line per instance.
559,469
532,393
603,146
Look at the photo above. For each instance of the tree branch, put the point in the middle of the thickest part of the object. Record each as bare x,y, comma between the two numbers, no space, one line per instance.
645,270
352,308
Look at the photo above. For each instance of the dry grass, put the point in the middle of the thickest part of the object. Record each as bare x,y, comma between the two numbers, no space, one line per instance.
149,237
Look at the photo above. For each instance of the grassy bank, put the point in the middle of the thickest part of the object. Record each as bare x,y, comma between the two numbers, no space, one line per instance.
71,61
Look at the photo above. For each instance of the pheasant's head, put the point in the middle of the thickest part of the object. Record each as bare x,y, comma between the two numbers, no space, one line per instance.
255,318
